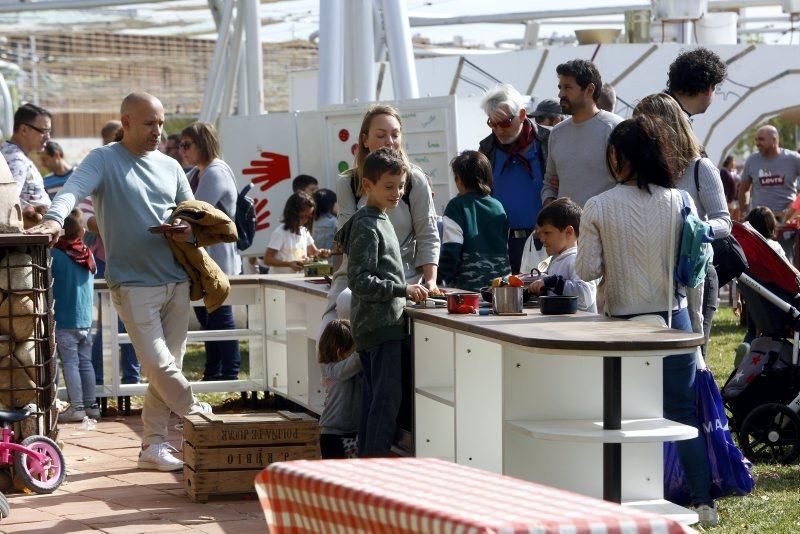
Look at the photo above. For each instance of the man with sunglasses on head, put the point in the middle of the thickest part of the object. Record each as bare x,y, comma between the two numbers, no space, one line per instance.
517,158
576,160
31,133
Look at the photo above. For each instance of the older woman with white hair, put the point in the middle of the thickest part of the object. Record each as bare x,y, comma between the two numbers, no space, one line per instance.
517,158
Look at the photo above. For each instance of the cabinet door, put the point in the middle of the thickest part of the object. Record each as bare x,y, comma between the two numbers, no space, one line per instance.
433,356
435,429
479,403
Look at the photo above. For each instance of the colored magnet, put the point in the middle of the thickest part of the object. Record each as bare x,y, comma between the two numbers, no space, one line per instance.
344,135
343,166
354,149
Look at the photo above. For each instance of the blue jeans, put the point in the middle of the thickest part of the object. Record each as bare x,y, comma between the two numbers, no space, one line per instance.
222,357
381,397
75,349
680,405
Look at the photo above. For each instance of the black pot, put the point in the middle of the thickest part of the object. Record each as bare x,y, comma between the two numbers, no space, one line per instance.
558,304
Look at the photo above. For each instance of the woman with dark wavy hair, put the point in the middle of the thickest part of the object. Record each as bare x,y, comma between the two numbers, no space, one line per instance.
630,236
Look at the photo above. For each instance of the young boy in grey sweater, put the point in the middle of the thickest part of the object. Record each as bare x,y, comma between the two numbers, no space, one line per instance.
375,276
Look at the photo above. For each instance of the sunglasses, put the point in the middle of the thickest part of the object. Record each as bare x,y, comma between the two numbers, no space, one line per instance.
500,124
43,131
185,146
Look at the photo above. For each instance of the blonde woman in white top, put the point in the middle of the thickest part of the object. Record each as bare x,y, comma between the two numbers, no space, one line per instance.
629,236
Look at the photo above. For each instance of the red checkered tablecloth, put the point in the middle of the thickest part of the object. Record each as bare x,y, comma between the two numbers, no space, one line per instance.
430,496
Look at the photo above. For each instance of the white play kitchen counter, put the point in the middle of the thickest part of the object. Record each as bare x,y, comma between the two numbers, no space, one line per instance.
571,401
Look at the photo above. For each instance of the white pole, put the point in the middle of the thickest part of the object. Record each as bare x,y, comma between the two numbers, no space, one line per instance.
401,51
233,62
7,116
253,54
362,50
215,70
34,70
331,52
242,106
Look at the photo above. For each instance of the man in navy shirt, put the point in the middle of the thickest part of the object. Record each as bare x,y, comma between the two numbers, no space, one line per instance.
517,159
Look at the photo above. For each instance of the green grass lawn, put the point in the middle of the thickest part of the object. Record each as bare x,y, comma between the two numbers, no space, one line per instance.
774,506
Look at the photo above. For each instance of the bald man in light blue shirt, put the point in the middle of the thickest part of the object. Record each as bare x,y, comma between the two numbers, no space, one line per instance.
133,187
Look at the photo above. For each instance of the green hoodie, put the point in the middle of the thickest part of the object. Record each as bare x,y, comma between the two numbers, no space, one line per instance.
375,276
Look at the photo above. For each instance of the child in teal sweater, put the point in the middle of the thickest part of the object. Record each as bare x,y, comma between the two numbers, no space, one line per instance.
475,235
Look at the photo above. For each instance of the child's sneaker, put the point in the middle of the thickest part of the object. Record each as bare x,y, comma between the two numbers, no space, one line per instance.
707,514
159,457
93,411
72,415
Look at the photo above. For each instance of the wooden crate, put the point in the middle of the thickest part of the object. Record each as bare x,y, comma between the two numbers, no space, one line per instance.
223,453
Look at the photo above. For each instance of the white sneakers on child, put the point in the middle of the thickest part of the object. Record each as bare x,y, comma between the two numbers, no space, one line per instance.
93,412
72,415
158,456
707,514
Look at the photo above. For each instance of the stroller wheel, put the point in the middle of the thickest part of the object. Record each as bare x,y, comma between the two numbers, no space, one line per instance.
771,434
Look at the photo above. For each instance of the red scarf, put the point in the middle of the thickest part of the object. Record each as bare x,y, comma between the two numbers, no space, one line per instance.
515,149
78,252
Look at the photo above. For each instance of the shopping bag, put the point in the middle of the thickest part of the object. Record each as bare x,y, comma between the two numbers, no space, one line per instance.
730,470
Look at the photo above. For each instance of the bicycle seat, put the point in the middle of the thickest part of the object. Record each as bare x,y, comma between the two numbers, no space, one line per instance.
12,416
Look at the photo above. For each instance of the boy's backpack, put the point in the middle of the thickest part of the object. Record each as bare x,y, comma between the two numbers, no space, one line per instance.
694,252
406,192
245,219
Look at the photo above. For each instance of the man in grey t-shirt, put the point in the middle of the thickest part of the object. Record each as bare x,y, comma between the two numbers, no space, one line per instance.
576,159
771,173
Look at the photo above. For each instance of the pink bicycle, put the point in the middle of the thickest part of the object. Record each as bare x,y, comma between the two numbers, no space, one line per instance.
37,460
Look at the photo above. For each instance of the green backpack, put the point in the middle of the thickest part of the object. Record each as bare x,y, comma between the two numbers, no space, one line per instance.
694,252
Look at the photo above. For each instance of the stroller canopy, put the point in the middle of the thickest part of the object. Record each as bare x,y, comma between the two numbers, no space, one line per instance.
766,265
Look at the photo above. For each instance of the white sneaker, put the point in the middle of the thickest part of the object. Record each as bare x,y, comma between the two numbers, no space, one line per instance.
200,407
159,457
72,415
707,515
93,412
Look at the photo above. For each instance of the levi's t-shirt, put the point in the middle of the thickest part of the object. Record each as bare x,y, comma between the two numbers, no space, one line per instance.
774,179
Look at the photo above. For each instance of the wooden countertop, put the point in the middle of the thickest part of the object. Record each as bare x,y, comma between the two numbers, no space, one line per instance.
298,282
582,331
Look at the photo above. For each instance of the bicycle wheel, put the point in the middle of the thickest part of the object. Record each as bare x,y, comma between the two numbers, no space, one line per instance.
4,508
41,477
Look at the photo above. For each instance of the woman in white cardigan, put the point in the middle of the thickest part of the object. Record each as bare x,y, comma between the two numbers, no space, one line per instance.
629,236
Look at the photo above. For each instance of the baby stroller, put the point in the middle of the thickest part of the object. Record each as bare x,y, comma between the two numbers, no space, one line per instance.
762,392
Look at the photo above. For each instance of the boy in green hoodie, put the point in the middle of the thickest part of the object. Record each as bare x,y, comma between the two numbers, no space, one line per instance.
375,276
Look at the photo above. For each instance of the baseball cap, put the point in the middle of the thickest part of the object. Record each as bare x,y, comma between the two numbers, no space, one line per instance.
547,108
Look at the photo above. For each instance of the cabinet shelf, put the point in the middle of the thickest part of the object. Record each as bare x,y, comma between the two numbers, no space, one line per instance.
632,431
444,394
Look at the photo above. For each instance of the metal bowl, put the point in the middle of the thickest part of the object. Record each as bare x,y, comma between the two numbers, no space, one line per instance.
597,36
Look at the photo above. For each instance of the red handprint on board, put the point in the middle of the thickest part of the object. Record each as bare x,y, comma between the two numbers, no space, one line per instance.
271,170
262,213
